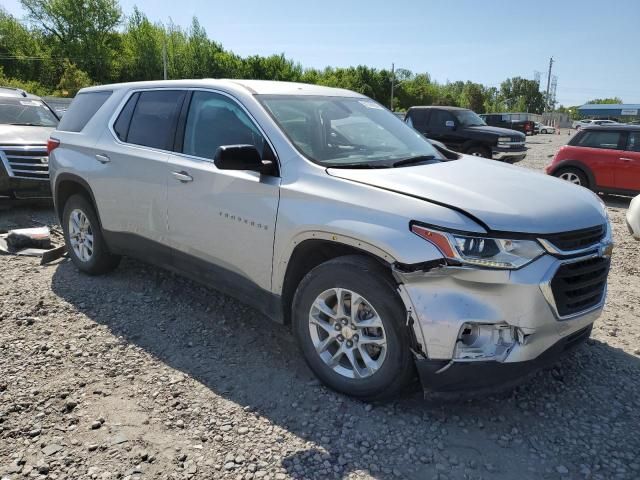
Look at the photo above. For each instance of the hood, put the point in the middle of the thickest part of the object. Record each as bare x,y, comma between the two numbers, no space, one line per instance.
502,132
504,197
24,135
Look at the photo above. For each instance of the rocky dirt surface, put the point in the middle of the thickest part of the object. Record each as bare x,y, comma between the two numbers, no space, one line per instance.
143,374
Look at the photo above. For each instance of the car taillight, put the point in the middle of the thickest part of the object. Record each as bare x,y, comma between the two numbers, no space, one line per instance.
52,144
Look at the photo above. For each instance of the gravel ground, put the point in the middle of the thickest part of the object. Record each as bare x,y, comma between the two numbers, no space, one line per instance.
143,374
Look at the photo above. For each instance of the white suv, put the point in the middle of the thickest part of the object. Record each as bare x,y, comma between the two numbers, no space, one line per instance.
323,210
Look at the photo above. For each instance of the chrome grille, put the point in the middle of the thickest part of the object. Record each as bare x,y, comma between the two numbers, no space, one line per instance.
26,161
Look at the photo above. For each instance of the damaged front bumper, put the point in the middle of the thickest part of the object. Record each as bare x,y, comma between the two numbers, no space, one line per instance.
478,329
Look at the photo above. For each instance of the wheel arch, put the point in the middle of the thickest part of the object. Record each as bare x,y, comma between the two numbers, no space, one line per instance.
577,164
315,249
68,184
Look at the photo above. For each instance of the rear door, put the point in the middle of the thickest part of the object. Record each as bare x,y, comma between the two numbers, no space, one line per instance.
130,186
221,222
628,173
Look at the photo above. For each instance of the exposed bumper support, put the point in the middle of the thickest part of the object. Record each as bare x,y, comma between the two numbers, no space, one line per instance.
439,376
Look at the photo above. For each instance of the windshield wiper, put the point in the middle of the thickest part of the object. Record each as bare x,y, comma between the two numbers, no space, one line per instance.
358,165
414,160
27,124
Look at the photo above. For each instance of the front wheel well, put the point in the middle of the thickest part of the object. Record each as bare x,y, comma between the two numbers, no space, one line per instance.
306,256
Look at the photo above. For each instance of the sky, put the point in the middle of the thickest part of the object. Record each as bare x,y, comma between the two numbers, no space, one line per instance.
594,43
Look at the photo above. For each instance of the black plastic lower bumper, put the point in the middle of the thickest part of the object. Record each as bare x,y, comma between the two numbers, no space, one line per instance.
480,377
22,188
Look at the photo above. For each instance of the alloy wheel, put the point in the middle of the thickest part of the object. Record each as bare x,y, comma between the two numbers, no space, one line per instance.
81,235
347,333
571,177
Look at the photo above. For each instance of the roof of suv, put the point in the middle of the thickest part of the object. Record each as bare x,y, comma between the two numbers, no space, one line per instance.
256,87
16,93
619,126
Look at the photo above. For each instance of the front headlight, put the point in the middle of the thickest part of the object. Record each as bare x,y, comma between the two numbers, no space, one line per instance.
482,251
504,139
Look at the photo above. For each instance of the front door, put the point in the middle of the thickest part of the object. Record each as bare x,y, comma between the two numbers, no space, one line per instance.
443,127
221,222
628,171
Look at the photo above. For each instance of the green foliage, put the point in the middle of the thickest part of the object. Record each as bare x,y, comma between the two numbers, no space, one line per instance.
614,100
72,80
72,43
522,95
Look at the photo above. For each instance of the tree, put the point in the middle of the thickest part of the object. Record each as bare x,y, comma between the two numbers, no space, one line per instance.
83,31
72,80
520,94
613,100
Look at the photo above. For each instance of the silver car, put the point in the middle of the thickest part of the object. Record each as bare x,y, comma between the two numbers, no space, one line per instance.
387,256
26,122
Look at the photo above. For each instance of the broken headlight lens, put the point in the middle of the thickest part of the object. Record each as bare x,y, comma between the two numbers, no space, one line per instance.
482,251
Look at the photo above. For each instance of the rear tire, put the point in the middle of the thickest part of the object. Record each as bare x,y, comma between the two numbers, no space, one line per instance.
478,151
367,362
573,175
82,234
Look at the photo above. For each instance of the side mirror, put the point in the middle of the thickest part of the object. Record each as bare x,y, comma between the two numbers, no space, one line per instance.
450,124
238,157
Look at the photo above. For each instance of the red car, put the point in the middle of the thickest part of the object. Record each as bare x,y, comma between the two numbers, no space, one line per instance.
604,159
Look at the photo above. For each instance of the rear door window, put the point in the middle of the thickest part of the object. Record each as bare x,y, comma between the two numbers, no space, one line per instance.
154,119
611,140
82,109
418,118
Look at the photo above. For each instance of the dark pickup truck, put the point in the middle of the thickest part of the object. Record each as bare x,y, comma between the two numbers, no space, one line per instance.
464,131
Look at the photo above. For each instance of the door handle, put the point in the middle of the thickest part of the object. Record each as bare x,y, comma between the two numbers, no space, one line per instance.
625,159
183,176
102,158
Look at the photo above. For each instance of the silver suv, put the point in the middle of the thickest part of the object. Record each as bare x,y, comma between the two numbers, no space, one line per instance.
26,122
386,255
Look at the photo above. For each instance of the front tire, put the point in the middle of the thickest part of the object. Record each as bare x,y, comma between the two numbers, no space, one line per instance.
350,325
82,234
479,151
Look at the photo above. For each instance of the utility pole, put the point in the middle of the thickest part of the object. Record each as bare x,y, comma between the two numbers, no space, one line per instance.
393,81
546,100
164,58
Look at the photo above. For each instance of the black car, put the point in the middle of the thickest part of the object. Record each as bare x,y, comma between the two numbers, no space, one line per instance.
514,121
464,131
26,122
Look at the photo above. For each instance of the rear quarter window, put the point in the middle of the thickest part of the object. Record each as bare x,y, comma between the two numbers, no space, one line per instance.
82,109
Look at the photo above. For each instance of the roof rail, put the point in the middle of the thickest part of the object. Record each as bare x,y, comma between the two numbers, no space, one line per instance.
18,90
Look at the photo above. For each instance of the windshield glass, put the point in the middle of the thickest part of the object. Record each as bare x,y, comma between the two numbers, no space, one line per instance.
347,131
25,111
467,118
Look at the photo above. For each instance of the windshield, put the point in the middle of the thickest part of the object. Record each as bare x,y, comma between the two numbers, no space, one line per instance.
348,131
24,111
467,118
